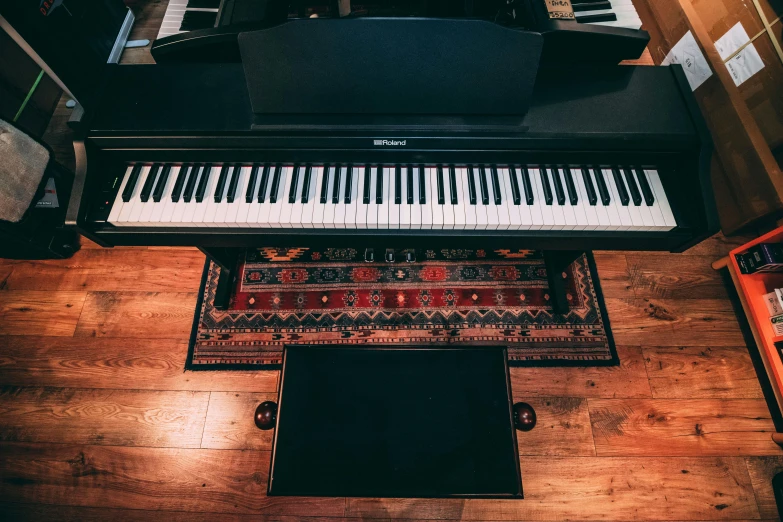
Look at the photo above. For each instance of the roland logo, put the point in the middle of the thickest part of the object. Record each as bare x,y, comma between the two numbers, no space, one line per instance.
390,143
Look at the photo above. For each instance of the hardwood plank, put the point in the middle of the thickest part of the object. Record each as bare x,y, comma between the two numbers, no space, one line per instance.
628,379
719,245
110,417
230,423
87,362
762,470
148,478
563,428
177,270
39,312
137,314
672,322
671,427
683,372
592,488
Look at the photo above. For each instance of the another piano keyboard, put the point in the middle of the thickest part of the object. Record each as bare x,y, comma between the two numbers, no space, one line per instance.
613,13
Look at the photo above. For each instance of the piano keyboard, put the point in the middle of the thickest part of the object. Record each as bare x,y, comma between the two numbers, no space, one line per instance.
476,197
614,13
188,15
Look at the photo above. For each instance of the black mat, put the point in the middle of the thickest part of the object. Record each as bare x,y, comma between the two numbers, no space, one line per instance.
366,422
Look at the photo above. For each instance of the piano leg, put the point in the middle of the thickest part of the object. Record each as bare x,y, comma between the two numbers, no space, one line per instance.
226,259
557,261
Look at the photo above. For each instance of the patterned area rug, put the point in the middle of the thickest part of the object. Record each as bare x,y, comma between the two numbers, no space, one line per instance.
471,297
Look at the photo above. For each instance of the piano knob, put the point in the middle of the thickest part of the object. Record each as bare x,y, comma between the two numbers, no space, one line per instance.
369,255
524,416
389,255
266,415
410,256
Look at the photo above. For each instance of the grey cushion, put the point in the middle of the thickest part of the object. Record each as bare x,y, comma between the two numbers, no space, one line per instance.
22,164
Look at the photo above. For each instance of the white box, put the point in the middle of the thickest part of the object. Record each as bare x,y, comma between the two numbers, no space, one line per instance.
774,302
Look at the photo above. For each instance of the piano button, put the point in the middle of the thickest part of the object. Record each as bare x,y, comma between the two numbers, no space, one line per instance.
547,217
352,200
649,199
250,193
435,206
546,189
493,218
406,206
622,212
379,184
453,185
620,186
294,186
220,188
503,193
337,182
394,208
233,183
328,212
416,207
603,190
439,181
264,186
602,209
167,205
190,184
460,186
592,198
471,186
447,207
397,185
366,187
160,184
372,206
571,222
349,185
586,217
409,184
119,201
496,186
206,173
482,174
422,185
130,184
660,197
591,6
573,197
507,177
514,180
149,182
307,179
554,175
325,184
278,180
526,210
232,205
558,210
279,205
385,203
339,202
179,184
636,195
207,218
527,186
594,18
297,207
317,214
240,210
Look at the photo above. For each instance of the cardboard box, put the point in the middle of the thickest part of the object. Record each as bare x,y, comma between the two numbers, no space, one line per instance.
745,120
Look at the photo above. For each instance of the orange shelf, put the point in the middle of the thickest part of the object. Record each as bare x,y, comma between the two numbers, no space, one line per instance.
751,289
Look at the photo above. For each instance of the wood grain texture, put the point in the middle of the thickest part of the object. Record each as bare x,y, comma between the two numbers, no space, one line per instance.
120,363
230,422
592,488
110,417
40,312
137,314
628,379
762,470
148,478
683,372
563,428
666,427
674,322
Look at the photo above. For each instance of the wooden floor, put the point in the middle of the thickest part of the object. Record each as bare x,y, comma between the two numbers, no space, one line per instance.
99,421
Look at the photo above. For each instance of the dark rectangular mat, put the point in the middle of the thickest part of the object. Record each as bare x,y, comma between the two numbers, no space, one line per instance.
288,296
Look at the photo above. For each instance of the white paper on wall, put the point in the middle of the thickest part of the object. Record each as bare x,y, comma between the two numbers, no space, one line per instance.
745,63
687,53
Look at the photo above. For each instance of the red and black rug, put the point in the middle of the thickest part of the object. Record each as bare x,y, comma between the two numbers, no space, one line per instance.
287,296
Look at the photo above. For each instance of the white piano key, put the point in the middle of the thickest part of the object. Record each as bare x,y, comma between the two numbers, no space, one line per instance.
372,207
536,213
136,205
210,207
615,221
191,208
116,208
180,206
351,209
514,217
417,209
586,217
405,207
447,207
482,219
394,209
660,198
221,211
558,210
460,216
309,209
320,208
238,205
546,210
568,209
493,219
435,208
339,207
504,217
163,209
468,210
383,208
240,198
622,210
297,207
276,209
328,211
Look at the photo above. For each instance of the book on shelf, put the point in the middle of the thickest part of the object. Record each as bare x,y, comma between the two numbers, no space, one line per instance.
764,257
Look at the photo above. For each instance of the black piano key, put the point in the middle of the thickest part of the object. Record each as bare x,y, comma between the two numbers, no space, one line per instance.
527,185
366,190
160,185
559,192
336,184
483,186
264,183
591,6
398,185
592,198
308,179
232,185
603,190
202,182
646,190
325,184
348,184
545,186
409,184
573,197
636,195
379,186
179,183
294,184
146,189
190,185
204,4
133,178
496,186
515,194
273,192
471,186
422,186
591,19
621,190
453,185
221,183
193,20
250,193
439,182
